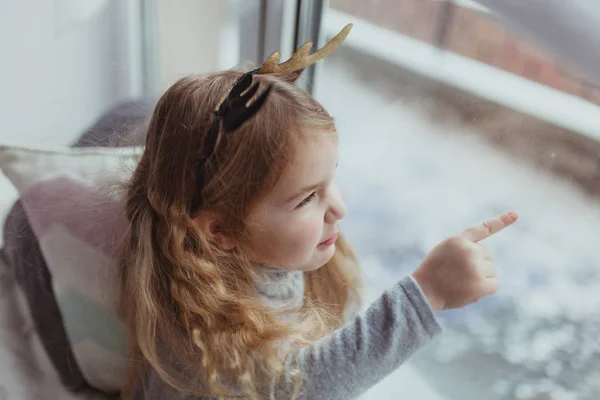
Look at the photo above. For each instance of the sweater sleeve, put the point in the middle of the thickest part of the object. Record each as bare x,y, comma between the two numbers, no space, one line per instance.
355,357
345,364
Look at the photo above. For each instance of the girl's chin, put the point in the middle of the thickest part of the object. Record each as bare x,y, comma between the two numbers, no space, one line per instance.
318,259
323,256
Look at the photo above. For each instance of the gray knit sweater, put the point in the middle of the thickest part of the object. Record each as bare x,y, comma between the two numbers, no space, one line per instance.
355,357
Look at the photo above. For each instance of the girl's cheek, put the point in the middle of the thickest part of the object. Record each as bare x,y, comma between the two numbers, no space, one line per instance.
316,228
304,229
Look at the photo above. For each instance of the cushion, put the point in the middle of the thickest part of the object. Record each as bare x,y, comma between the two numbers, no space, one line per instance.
117,127
72,199
23,255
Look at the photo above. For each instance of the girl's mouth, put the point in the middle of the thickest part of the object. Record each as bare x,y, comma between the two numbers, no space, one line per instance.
329,241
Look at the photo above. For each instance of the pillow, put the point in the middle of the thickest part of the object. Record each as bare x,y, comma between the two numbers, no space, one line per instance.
22,254
72,200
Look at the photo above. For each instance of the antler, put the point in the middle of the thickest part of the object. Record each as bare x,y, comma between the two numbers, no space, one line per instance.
301,59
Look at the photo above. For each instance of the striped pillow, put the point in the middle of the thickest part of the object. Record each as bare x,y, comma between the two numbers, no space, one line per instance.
72,199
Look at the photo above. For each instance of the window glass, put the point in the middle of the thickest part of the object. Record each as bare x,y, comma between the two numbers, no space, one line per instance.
447,117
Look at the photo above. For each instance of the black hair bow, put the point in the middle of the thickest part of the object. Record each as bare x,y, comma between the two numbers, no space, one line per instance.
234,110
229,115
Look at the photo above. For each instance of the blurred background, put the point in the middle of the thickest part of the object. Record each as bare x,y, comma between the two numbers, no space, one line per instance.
449,112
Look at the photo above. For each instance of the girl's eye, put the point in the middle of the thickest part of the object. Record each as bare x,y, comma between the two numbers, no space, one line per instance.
307,200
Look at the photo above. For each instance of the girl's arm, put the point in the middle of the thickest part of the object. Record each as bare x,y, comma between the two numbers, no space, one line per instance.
355,357
351,360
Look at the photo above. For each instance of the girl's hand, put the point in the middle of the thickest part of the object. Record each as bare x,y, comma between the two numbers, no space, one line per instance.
459,271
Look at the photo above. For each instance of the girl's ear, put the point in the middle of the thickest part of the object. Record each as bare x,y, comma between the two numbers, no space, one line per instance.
210,225
290,77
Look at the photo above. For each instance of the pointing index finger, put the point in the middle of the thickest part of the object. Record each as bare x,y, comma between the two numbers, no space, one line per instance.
478,232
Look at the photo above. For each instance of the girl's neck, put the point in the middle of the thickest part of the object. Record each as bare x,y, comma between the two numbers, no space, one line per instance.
279,288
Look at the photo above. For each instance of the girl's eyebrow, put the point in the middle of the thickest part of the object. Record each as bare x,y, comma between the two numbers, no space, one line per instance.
308,188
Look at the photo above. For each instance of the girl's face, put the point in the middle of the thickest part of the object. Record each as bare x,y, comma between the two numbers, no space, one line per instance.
295,226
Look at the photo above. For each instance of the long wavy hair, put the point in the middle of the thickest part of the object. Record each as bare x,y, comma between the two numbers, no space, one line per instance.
190,308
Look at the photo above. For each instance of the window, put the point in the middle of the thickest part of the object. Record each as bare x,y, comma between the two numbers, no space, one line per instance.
192,37
447,117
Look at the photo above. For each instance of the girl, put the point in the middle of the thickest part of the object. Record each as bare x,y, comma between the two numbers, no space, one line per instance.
236,281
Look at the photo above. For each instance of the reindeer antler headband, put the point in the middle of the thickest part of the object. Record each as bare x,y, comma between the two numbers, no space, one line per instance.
301,59
298,61
234,108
